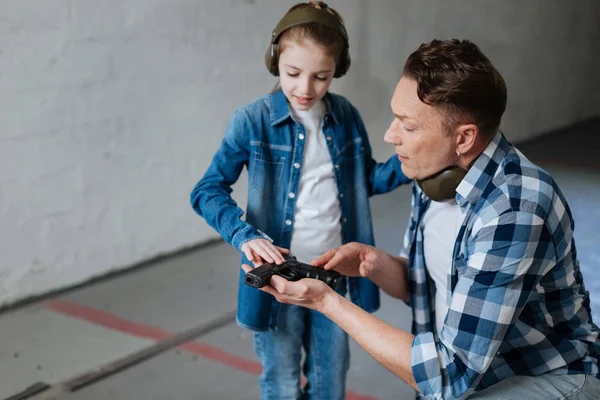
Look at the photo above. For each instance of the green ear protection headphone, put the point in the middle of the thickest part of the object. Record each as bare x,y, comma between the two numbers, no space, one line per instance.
442,186
303,16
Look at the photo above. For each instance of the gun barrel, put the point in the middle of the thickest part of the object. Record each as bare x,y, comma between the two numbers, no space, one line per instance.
254,281
260,276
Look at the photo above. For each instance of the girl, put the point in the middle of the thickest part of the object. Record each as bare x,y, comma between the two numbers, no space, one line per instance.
310,173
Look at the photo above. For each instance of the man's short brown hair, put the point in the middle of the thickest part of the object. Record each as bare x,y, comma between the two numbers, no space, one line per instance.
457,78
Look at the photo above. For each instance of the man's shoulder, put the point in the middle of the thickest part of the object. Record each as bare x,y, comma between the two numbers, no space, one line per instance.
519,185
527,182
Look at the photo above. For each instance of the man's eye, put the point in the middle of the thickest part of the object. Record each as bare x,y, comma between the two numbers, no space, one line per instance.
293,75
321,78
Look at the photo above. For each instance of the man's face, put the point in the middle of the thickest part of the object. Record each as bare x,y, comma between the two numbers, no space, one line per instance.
417,134
305,72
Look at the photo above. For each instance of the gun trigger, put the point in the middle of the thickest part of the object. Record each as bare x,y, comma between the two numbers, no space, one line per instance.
287,274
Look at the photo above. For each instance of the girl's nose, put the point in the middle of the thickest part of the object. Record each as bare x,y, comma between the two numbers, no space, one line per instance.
305,87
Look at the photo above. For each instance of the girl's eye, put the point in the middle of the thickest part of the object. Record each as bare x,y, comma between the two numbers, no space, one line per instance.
321,78
293,75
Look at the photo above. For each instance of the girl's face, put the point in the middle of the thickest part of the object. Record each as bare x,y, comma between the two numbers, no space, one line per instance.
305,71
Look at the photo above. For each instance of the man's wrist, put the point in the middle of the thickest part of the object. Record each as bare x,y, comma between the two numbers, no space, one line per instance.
329,302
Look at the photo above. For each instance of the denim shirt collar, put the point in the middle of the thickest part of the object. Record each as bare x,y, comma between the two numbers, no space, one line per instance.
279,109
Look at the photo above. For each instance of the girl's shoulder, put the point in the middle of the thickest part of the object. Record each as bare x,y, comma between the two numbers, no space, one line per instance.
257,109
260,117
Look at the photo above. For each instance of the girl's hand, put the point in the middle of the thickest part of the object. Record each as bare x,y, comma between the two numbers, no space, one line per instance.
262,250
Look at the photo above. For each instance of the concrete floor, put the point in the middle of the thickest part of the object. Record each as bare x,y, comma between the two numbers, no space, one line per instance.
78,331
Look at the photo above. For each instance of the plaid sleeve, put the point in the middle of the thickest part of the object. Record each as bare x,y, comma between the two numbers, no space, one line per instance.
507,257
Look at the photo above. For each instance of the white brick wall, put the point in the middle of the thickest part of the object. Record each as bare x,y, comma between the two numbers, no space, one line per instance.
111,110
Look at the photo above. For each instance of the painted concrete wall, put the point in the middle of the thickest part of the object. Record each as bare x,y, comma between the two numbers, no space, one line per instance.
111,110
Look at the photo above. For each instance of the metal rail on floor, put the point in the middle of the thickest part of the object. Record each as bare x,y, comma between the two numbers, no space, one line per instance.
148,352
71,385
32,390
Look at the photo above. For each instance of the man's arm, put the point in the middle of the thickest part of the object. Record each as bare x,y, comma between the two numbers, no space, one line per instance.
357,259
389,346
393,278
507,259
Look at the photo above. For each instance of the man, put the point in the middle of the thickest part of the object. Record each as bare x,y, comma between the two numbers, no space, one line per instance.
489,266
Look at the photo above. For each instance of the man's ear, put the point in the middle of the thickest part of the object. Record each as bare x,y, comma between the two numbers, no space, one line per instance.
466,137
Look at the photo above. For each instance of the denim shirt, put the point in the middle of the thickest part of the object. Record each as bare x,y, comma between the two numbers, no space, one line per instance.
263,137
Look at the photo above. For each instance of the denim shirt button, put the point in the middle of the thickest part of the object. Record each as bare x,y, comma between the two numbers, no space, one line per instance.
329,138
288,221
345,219
337,166
301,136
341,195
291,195
296,165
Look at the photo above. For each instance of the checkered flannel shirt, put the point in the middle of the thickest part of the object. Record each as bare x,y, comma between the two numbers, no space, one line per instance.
517,302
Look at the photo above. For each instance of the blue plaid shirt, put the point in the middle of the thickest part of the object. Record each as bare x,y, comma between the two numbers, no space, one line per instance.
516,298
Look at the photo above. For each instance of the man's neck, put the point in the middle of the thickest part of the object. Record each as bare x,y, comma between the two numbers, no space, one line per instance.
466,160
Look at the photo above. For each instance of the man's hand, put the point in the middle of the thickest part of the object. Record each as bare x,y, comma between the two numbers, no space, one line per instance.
356,259
352,259
261,250
309,293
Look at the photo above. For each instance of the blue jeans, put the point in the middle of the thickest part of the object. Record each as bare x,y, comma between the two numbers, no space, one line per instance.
280,352
543,387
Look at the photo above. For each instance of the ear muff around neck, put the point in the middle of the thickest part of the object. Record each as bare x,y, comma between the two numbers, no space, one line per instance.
442,186
304,16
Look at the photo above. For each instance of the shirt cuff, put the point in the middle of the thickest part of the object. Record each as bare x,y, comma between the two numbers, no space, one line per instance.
426,366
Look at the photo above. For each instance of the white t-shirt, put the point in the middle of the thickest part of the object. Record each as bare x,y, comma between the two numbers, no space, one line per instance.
317,225
441,224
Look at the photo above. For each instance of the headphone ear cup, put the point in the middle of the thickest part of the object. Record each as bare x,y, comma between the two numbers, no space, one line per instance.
442,186
343,64
271,59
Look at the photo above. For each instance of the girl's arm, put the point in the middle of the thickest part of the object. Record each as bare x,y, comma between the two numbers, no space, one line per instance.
381,177
211,197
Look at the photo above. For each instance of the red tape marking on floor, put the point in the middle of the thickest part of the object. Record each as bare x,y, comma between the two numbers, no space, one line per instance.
213,353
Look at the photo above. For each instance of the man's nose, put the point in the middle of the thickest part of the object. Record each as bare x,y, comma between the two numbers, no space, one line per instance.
391,137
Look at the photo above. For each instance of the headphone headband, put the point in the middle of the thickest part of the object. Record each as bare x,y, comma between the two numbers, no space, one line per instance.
305,16
308,15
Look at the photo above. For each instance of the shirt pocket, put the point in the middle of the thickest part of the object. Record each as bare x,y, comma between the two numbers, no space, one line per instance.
353,148
352,164
268,165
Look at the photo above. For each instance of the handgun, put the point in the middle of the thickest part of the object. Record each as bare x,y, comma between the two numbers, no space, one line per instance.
292,270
